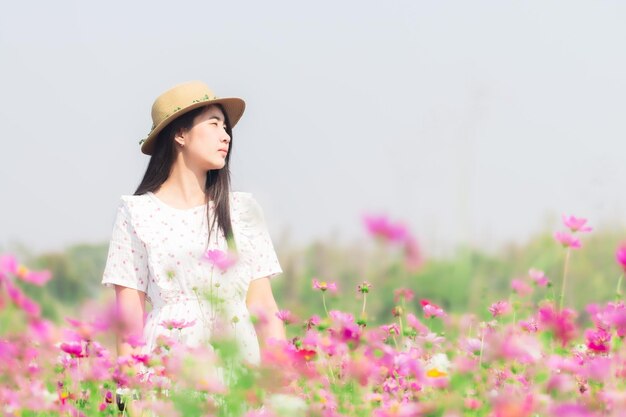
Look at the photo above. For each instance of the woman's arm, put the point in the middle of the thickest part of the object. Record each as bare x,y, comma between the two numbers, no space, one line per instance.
130,309
261,299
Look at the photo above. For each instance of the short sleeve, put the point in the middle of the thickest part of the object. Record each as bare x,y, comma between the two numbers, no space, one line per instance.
127,261
254,242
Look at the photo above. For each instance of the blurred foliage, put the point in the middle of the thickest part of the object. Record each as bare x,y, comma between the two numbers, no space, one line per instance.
468,280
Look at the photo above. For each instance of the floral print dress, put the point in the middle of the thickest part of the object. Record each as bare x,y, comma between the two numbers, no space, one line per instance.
160,250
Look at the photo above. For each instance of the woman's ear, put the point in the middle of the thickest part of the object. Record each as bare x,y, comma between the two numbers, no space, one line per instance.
179,137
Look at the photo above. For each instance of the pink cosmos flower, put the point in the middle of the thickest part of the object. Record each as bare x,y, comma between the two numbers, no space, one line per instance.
30,307
73,348
521,287
529,326
381,227
324,286
576,224
416,324
222,260
598,340
141,358
471,345
620,255
562,323
403,293
285,316
177,324
432,309
135,340
313,321
539,277
8,265
391,329
40,329
38,278
341,317
499,308
567,240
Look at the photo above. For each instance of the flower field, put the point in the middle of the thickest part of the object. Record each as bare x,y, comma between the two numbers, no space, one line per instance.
527,354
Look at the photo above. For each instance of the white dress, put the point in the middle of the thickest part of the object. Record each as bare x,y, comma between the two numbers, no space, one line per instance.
159,250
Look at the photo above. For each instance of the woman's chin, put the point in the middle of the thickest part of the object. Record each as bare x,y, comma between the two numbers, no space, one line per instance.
216,165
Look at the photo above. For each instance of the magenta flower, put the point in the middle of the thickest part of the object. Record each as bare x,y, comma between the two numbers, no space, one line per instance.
177,324
324,286
562,323
499,308
620,255
135,340
222,260
73,348
33,277
381,227
598,340
141,358
539,277
285,316
431,309
576,224
567,240
30,307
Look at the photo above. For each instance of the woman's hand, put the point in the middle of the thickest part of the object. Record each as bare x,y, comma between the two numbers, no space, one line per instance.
130,310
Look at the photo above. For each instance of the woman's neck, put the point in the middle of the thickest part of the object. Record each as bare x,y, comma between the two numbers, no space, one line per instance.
184,187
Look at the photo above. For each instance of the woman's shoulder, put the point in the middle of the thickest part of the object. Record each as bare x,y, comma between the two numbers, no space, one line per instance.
245,209
133,206
132,201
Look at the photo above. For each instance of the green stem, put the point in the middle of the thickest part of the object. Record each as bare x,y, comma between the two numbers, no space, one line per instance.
512,304
482,344
395,342
324,302
364,303
401,327
618,291
332,374
567,255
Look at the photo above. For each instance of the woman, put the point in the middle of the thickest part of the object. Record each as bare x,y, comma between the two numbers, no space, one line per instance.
173,240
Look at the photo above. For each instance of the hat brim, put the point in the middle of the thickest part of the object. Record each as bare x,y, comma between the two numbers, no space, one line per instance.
233,107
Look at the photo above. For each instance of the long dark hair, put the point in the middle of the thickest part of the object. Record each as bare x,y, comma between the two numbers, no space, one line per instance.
217,184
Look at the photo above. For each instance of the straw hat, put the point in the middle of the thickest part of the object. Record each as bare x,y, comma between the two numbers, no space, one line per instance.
183,98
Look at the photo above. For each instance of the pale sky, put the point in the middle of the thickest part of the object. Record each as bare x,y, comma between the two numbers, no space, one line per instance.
475,122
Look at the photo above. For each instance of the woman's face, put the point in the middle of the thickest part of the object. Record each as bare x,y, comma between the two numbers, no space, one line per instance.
207,142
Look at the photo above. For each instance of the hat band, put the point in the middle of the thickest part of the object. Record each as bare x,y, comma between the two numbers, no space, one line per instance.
206,97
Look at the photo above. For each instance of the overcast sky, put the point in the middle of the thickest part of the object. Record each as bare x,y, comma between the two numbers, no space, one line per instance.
473,121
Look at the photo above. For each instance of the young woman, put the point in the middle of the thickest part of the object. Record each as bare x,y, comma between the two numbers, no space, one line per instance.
199,253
